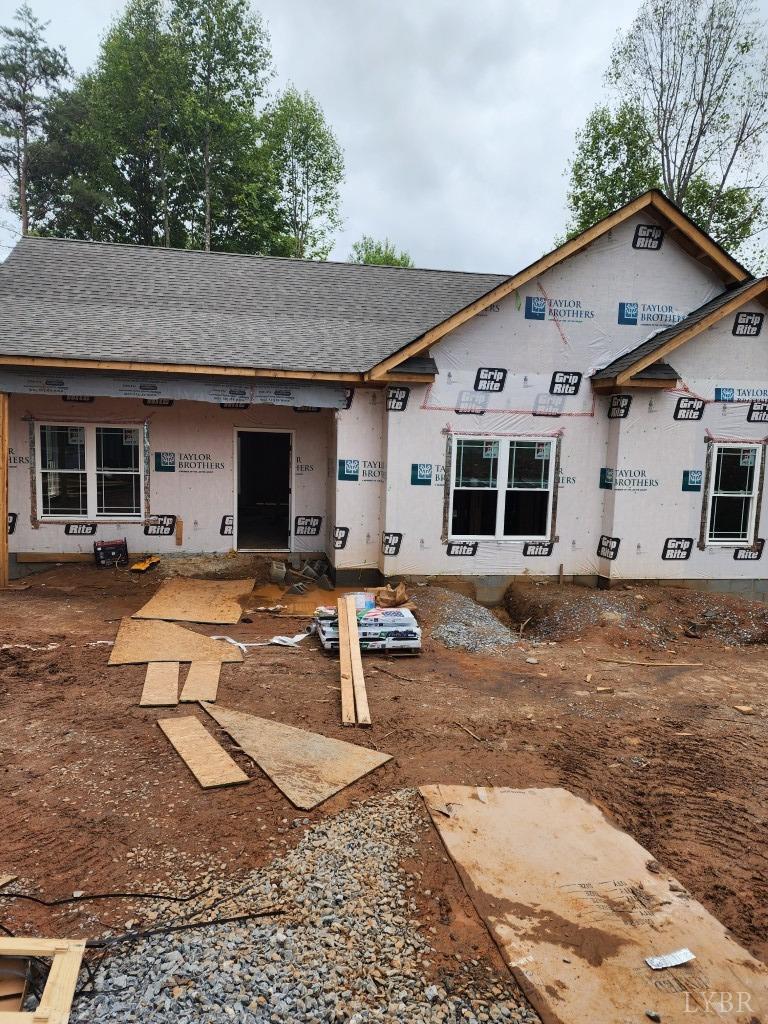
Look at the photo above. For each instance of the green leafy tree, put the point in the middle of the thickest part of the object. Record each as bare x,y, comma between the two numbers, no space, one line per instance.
691,83
227,62
369,250
613,163
310,167
30,73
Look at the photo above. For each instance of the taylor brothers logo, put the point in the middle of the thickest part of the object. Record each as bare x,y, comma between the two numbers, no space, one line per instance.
652,314
539,308
626,479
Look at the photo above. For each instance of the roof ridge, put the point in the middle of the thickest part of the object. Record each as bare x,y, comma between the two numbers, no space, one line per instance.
254,256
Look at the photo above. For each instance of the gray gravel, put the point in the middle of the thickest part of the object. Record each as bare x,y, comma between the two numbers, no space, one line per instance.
459,622
348,945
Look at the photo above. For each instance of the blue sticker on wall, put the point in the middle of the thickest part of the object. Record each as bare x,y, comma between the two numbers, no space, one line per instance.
421,473
165,462
692,479
349,469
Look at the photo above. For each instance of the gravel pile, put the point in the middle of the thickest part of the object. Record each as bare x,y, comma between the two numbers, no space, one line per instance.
458,621
346,946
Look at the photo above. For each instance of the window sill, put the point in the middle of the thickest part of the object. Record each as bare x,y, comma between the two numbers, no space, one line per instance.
105,521
506,540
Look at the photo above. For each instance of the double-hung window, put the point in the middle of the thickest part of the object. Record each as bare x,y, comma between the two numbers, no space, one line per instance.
502,488
734,477
89,472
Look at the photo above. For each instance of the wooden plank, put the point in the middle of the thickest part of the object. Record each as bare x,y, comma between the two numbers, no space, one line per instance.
202,682
345,667
307,767
193,369
362,712
13,983
216,602
161,685
60,986
6,880
139,641
203,755
575,910
4,440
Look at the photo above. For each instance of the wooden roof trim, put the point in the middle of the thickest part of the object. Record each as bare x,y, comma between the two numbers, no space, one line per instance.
190,369
654,200
758,289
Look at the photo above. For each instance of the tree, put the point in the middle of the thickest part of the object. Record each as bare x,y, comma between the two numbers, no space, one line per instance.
310,166
228,62
368,250
30,72
613,163
691,82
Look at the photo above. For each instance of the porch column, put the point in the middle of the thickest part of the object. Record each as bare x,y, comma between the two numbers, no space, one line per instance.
3,490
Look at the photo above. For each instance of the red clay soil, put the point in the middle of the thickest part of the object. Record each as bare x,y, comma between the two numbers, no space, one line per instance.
93,797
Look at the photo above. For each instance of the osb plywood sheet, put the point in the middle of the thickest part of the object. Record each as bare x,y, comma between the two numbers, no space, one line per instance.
575,911
139,641
307,767
190,600
202,682
203,755
161,684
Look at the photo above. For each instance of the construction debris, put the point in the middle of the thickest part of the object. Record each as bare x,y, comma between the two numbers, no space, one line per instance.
140,641
161,685
144,564
184,599
13,985
307,767
202,682
379,629
574,911
56,1001
203,755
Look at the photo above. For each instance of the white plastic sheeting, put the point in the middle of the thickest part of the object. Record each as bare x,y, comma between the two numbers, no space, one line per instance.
521,370
191,474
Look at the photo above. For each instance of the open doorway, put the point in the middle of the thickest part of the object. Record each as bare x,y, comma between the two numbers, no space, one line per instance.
263,490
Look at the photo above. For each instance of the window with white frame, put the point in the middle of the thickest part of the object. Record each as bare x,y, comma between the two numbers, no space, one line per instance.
88,471
502,488
734,477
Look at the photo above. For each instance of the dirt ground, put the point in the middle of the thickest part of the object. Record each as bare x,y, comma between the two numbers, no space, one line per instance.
93,798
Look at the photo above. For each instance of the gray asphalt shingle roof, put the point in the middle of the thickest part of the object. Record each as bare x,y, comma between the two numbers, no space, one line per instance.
92,300
655,342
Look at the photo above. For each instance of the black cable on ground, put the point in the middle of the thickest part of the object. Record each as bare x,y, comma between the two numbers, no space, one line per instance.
103,896
134,936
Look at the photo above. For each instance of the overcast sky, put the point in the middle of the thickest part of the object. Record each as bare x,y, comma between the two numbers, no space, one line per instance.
456,117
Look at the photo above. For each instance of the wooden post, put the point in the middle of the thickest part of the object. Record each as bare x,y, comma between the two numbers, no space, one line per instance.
3,490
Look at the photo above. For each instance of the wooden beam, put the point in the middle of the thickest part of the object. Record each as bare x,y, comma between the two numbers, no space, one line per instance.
610,386
654,201
362,712
192,369
4,427
758,288
345,667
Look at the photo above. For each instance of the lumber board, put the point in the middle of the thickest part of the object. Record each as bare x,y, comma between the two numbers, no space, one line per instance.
362,712
575,911
6,880
202,682
307,767
60,987
13,984
56,1000
183,599
140,641
203,755
345,667
161,685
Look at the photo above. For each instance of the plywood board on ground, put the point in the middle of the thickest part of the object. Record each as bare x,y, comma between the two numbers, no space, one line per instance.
575,911
13,984
191,600
143,641
307,767
203,755
161,685
202,682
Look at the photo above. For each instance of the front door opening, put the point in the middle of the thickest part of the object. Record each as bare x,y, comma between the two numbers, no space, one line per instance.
263,490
